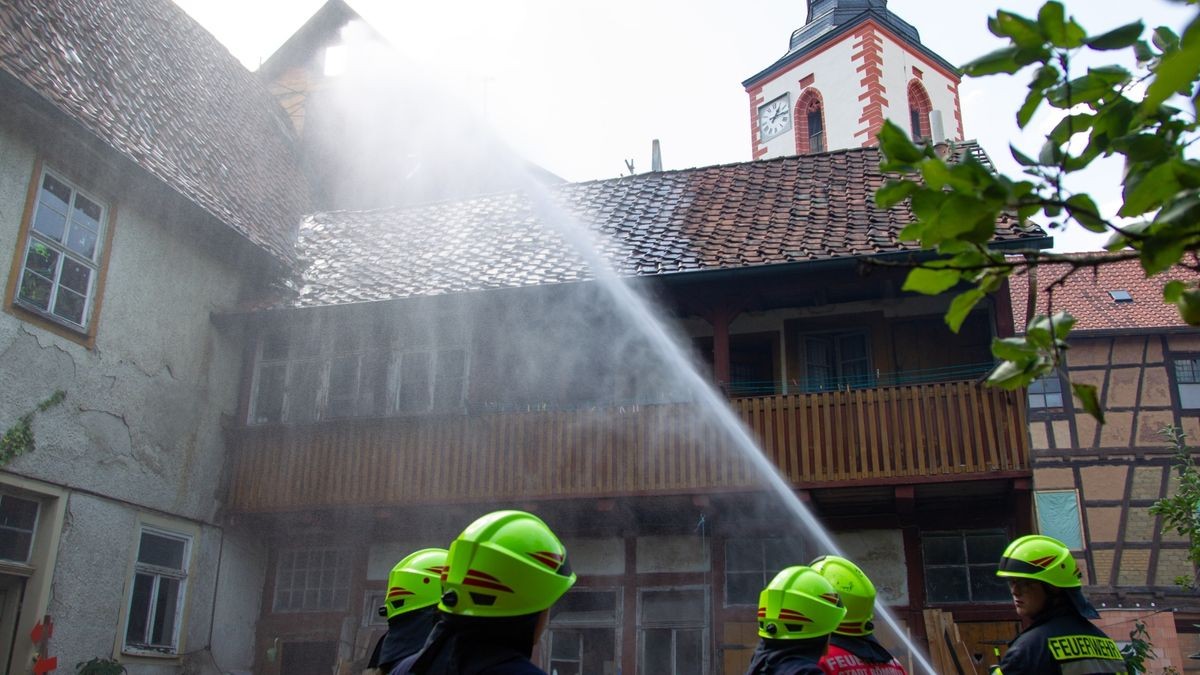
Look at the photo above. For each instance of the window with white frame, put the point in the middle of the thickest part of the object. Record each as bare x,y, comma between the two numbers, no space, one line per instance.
1187,378
673,631
751,563
1046,392
156,597
18,523
583,634
61,260
312,580
960,566
352,370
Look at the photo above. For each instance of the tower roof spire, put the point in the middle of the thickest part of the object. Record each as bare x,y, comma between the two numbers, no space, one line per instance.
825,16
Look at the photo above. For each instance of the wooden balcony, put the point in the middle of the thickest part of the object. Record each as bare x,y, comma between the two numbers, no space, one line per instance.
953,430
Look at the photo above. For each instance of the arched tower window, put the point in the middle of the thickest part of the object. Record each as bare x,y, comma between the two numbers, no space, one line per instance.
919,108
810,123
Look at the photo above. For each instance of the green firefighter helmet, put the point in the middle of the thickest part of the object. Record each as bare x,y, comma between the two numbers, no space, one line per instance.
798,604
415,582
856,591
507,563
1040,558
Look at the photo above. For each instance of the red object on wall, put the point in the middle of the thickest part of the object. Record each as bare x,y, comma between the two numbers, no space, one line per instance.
45,665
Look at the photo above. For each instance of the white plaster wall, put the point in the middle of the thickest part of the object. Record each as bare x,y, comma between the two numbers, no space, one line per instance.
898,62
880,554
99,540
141,423
243,574
836,79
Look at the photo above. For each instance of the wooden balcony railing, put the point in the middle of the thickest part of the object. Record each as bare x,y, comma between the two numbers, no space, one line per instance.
904,433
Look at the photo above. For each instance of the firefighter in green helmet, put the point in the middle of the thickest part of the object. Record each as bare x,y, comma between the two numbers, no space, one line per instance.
1058,638
853,647
796,613
414,587
502,575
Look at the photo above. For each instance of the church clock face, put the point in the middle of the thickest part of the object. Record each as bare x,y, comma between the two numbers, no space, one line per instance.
774,117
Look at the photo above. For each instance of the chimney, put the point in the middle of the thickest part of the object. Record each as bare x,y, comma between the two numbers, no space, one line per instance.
655,156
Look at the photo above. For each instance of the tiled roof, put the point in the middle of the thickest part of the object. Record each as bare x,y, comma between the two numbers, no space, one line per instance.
1085,294
150,82
784,210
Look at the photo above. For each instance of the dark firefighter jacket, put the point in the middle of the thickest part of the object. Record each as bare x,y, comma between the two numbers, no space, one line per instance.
405,635
787,657
1061,642
474,646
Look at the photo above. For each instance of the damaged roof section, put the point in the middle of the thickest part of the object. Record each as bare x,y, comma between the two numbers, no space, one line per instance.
787,210
151,83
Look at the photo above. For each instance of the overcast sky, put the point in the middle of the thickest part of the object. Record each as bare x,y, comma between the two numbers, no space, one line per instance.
579,87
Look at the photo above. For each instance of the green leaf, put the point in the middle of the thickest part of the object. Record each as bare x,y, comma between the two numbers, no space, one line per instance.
897,146
1145,191
1002,60
1012,349
1086,393
961,306
1176,73
1117,38
1052,21
1142,147
1023,32
1165,39
894,192
1188,303
931,281
1172,290
1142,52
1085,212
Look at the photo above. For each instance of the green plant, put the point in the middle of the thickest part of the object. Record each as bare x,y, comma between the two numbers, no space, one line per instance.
18,439
1105,111
99,666
1182,510
1139,650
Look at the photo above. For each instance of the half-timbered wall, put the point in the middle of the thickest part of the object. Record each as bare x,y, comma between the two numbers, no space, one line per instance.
1119,469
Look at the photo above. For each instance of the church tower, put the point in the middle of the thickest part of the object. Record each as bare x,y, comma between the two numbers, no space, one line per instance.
852,65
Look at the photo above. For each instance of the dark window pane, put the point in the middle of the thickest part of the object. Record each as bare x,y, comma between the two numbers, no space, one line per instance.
943,550
50,223
343,386
41,259
414,381
35,290
947,585
82,241
782,553
274,345
15,544
75,276
656,651
564,644
302,391
166,606
743,588
55,194
986,586
268,405
744,555
161,551
69,305
986,548
689,652
139,609
17,512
